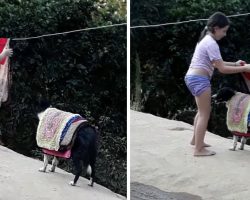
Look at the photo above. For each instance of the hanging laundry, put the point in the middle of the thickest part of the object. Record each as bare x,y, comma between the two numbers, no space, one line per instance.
4,72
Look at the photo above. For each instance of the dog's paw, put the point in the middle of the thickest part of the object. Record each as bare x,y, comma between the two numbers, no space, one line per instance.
91,182
72,183
52,170
41,169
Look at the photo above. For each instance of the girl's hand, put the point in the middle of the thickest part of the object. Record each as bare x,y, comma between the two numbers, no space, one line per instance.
8,52
241,63
247,68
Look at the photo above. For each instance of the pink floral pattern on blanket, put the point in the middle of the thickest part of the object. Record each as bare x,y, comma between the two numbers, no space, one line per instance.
52,124
237,113
239,106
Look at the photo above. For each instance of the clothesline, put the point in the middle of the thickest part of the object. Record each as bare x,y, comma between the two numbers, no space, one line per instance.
121,24
67,32
182,22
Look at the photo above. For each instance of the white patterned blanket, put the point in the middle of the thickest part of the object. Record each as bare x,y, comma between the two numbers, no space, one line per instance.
56,128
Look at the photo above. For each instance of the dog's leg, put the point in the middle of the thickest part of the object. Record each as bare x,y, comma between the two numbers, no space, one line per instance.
54,164
45,163
92,167
78,169
235,140
243,142
89,175
92,176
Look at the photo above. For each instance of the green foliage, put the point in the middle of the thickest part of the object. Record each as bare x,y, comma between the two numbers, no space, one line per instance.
83,72
165,52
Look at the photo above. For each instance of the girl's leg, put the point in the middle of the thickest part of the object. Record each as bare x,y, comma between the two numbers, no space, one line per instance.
193,138
204,108
195,122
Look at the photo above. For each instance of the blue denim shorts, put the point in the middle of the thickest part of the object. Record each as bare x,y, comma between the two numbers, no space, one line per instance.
197,84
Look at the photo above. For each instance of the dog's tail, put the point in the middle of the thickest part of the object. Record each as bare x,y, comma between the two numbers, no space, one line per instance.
89,170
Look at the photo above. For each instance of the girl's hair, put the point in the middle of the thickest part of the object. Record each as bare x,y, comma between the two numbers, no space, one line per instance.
217,19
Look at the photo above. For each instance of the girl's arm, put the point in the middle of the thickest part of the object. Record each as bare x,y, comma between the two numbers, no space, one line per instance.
228,68
230,63
238,63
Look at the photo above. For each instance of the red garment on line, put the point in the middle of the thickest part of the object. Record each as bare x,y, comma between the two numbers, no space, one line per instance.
5,76
3,42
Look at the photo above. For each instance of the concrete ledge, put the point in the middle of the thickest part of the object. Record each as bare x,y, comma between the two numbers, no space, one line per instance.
161,156
20,179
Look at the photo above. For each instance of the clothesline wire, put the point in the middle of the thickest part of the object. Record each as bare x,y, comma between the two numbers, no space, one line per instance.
182,22
121,24
67,32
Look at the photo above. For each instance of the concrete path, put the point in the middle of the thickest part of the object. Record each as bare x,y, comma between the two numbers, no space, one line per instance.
21,180
161,157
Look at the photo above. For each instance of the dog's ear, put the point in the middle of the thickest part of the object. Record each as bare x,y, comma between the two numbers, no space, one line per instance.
40,115
224,94
43,104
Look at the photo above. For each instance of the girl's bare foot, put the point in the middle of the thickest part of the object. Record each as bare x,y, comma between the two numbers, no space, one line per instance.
204,152
204,145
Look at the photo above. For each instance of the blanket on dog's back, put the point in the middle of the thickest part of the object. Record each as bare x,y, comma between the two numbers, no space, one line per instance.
56,128
237,113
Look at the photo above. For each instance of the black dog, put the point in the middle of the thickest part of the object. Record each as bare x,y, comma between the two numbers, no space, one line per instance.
83,151
224,95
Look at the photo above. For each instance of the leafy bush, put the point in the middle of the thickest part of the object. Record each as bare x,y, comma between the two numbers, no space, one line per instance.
83,72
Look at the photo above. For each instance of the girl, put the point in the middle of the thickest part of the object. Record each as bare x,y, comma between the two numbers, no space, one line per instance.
206,57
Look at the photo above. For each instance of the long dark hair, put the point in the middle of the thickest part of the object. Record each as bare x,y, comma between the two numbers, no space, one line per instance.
217,19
